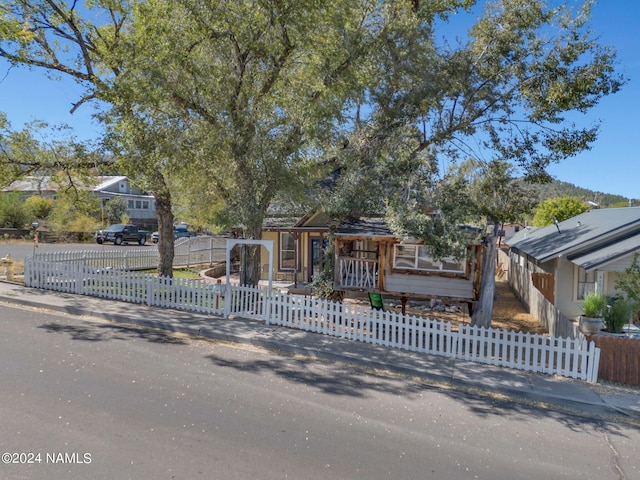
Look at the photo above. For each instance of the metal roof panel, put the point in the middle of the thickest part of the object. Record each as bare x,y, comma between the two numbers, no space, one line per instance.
578,233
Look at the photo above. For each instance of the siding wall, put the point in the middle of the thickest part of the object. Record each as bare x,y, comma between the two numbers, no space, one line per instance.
430,285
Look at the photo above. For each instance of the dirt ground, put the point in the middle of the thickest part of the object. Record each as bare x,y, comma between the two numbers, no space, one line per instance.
508,312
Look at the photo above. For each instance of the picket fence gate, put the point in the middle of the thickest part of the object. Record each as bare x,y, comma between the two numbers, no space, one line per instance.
574,358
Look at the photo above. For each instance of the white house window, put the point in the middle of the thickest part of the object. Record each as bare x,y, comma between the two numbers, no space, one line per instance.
130,204
287,251
138,204
145,204
416,257
586,282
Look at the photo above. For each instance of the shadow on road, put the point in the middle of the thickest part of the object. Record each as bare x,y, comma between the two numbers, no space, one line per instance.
98,332
347,380
351,381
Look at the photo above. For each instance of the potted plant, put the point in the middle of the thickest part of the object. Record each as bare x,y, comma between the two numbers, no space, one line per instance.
593,307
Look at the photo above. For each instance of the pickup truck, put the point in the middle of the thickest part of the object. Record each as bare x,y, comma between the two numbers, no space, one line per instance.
121,233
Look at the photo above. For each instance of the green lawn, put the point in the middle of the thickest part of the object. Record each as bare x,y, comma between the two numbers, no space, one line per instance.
184,273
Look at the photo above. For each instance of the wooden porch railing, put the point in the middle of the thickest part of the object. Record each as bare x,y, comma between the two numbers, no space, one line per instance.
357,273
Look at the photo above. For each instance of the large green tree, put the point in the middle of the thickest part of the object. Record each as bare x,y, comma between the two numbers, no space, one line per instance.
247,96
511,90
83,41
253,92
507,91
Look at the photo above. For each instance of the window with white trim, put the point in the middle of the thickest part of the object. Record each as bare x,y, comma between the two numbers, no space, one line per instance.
586,282
287,251
416,257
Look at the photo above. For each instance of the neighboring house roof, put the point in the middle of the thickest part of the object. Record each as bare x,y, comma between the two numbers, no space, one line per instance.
601,257
49,183
127,196
107,181
519,236
590,239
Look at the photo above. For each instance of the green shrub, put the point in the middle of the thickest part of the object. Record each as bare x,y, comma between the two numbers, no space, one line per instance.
594,304
628,282
616,315
13,213
39,207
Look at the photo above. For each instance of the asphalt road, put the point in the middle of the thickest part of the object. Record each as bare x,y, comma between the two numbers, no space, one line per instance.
81,399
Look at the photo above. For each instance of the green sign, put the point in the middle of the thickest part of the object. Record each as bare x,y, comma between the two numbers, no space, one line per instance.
376,301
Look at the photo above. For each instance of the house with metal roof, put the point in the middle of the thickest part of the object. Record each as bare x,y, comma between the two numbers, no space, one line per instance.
578,255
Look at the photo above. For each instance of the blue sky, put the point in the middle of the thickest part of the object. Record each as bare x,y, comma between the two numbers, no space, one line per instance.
611,166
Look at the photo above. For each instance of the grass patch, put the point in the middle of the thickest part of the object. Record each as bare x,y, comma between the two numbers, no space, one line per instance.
183,273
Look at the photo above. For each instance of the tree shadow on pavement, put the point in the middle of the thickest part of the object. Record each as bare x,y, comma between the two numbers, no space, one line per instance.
341,379
95,332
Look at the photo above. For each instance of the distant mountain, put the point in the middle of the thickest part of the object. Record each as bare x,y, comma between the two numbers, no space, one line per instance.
559,189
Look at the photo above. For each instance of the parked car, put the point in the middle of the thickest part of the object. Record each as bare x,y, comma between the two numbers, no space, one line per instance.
183,232
119,233
179,231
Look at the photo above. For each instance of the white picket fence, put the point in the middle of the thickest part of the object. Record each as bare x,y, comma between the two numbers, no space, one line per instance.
572,358
119,258
187,252
531,352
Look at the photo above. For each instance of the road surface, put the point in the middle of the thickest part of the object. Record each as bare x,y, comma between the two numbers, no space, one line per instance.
81,398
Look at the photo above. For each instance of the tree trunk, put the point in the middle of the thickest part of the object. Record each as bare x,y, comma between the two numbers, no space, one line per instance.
250,256
483,312
165,233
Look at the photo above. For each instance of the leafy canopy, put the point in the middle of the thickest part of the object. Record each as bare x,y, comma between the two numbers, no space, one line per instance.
558,209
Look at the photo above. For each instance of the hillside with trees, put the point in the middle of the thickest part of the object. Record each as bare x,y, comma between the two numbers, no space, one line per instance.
557,189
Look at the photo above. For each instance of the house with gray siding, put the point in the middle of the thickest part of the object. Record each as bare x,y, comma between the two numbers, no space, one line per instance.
578,255
141,206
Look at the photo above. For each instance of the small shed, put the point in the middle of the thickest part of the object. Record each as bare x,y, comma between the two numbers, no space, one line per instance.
369,258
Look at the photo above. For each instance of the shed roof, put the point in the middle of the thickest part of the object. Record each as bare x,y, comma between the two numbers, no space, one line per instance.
366,227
